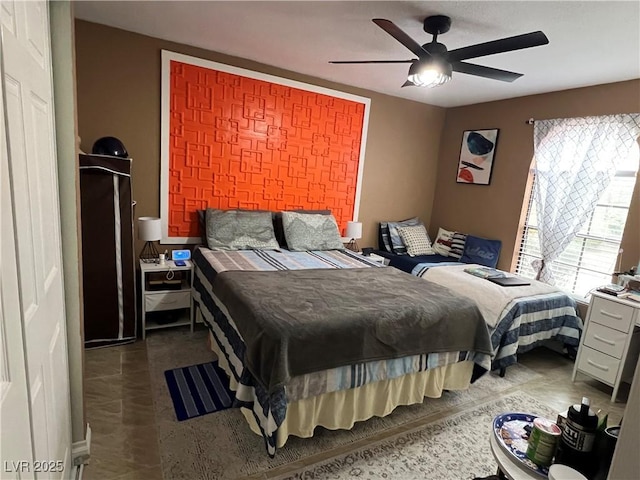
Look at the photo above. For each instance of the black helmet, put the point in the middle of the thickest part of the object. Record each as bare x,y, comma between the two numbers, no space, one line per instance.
110,146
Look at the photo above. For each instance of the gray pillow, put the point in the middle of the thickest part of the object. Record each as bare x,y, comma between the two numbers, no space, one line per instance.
304,231
239,230
279,229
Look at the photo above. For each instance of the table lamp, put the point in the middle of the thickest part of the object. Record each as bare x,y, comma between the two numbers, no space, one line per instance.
149,230
354,232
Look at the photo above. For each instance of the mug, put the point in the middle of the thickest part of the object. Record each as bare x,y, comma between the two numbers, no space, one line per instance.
606,443
162,259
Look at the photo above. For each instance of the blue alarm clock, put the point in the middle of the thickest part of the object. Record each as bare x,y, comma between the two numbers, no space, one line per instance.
180,254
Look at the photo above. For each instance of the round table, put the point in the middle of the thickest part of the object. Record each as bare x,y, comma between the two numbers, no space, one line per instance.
508,466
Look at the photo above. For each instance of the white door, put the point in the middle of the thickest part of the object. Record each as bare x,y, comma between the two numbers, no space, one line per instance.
28,96
15,440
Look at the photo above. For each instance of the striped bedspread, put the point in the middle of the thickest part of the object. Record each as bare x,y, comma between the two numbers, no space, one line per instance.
519,318
271,260
270,410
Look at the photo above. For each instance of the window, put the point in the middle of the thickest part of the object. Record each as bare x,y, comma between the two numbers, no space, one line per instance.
592,256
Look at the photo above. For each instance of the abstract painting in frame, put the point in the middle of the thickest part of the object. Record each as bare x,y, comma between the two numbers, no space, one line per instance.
477,154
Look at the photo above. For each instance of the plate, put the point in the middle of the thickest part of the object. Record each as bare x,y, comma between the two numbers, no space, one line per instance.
513,439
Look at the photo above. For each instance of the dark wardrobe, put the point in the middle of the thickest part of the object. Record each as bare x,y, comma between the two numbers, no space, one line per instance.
108,269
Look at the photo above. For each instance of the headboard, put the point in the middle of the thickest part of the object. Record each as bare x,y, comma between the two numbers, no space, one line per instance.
237,139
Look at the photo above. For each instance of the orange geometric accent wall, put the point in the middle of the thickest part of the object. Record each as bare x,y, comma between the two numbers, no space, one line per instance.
239,142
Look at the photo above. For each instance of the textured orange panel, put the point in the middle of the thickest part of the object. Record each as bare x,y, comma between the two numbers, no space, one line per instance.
238,142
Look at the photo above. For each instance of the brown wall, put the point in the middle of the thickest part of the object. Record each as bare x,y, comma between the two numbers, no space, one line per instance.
118,77
494,211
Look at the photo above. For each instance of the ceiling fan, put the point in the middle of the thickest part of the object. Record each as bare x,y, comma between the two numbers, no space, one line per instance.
435,63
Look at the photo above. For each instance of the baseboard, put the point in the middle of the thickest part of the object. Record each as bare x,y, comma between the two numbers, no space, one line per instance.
81,451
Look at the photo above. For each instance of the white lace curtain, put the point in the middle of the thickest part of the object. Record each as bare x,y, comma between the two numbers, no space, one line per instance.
575,160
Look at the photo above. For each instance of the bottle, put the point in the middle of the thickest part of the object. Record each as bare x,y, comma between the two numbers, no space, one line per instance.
576,446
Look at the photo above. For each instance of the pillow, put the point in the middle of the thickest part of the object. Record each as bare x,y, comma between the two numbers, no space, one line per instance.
239,230
308,231
396,242
442,245
481,251
457,245
278,228
384,242
416,239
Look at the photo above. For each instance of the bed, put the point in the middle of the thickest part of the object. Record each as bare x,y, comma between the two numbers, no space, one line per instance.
519,318
331,338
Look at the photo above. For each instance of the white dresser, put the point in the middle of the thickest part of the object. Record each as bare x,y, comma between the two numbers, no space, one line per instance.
610,341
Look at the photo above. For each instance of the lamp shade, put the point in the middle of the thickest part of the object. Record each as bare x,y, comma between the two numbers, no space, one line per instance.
149,229
354,230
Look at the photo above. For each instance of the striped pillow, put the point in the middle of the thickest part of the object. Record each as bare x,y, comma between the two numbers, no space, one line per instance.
457,245
384,241
416,239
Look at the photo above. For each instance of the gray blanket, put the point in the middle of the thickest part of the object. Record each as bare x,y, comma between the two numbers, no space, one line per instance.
300,321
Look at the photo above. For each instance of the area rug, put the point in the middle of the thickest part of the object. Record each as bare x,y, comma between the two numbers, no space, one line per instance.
197,390
456,447
221,446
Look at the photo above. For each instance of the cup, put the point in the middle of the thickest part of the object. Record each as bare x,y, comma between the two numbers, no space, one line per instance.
162,260
607,441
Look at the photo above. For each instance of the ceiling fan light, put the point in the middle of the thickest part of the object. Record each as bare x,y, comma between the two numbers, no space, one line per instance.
429,74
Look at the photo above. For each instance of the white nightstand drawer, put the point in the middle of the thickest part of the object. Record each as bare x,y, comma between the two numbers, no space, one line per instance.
605,339
611,314
167,301
598,365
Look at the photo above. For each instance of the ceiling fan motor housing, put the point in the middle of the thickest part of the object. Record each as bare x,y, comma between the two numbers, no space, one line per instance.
436,49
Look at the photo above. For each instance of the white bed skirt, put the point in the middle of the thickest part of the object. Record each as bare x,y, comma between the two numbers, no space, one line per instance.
342,409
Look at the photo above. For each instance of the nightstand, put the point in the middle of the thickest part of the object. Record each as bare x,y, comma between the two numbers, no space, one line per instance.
166,288
378,258
610,342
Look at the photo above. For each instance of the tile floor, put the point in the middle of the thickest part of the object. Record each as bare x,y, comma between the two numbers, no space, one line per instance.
119,408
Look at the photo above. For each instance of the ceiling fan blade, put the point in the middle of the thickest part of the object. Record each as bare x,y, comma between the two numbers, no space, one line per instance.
487,72
393,30
527,40
371,61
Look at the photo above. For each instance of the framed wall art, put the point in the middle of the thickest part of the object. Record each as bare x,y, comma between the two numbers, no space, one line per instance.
477,153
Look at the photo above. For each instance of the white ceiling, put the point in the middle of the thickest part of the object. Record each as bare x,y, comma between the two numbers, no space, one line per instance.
591,42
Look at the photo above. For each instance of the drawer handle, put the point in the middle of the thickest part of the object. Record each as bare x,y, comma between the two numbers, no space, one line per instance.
604,340
597,365
612,315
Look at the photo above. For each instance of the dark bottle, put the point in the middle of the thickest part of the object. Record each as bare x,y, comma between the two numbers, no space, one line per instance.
576,448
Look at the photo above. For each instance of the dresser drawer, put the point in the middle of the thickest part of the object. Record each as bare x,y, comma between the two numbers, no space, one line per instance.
598,365
611,314
605,339
154,302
